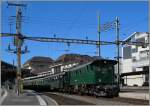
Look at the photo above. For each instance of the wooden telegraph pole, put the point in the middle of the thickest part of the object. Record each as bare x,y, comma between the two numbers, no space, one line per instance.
18,42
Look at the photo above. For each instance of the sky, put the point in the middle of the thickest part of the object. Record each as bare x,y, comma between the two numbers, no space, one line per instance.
71,20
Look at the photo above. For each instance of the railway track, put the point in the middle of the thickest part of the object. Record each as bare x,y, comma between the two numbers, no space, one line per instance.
66,99
131,100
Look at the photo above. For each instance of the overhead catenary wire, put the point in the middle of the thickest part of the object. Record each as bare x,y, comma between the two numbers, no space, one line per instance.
125,30
75,21
66,40
104,27
127,27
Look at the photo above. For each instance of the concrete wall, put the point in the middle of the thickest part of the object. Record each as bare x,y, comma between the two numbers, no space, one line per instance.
127,66
134,80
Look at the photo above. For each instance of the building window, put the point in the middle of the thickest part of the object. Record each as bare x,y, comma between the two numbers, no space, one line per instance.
127,52
144,54
141,40
146,77
135,49
133,59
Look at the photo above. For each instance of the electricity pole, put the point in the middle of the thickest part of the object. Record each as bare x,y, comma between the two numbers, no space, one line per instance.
18,42
118,49
99,32
18,45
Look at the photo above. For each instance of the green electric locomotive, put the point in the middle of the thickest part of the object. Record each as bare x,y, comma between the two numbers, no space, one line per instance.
94,78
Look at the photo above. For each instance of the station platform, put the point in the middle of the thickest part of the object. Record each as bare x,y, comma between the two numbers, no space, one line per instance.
134,95
135,92
28,97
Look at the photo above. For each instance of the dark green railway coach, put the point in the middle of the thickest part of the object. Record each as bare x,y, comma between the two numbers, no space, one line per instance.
44,83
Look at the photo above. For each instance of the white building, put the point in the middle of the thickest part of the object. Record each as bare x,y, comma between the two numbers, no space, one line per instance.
135,60
58,68
62,67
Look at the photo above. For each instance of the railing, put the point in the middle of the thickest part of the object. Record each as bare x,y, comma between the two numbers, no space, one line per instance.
141,62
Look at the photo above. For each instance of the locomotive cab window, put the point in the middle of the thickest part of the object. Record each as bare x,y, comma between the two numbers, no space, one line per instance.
98,68
110,67
104,70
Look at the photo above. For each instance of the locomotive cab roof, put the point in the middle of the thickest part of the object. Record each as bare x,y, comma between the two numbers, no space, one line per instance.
104,61
94,62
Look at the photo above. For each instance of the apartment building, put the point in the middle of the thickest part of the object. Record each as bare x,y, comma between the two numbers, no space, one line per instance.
135,61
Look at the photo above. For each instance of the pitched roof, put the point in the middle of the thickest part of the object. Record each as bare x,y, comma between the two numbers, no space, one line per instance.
93,62
73,58
7,65
39,59
133,34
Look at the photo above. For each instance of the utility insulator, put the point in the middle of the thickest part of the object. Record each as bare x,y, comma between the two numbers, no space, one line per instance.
9,47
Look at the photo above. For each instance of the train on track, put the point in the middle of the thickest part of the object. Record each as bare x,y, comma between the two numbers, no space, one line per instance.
96,78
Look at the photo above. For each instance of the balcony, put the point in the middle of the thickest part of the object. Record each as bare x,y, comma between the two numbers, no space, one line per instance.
140,63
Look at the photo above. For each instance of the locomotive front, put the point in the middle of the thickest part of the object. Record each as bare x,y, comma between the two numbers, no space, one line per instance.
106,83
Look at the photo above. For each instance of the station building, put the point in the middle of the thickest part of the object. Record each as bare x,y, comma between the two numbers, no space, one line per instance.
57,68
9,74
65,62
38,64
135,61
42,66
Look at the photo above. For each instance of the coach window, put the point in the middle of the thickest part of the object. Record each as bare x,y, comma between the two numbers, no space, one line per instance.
80,71
76,73
72,74
110,67
87,67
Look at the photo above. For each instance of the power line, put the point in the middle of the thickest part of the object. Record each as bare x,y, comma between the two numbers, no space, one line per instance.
129,28
135,24
75,21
